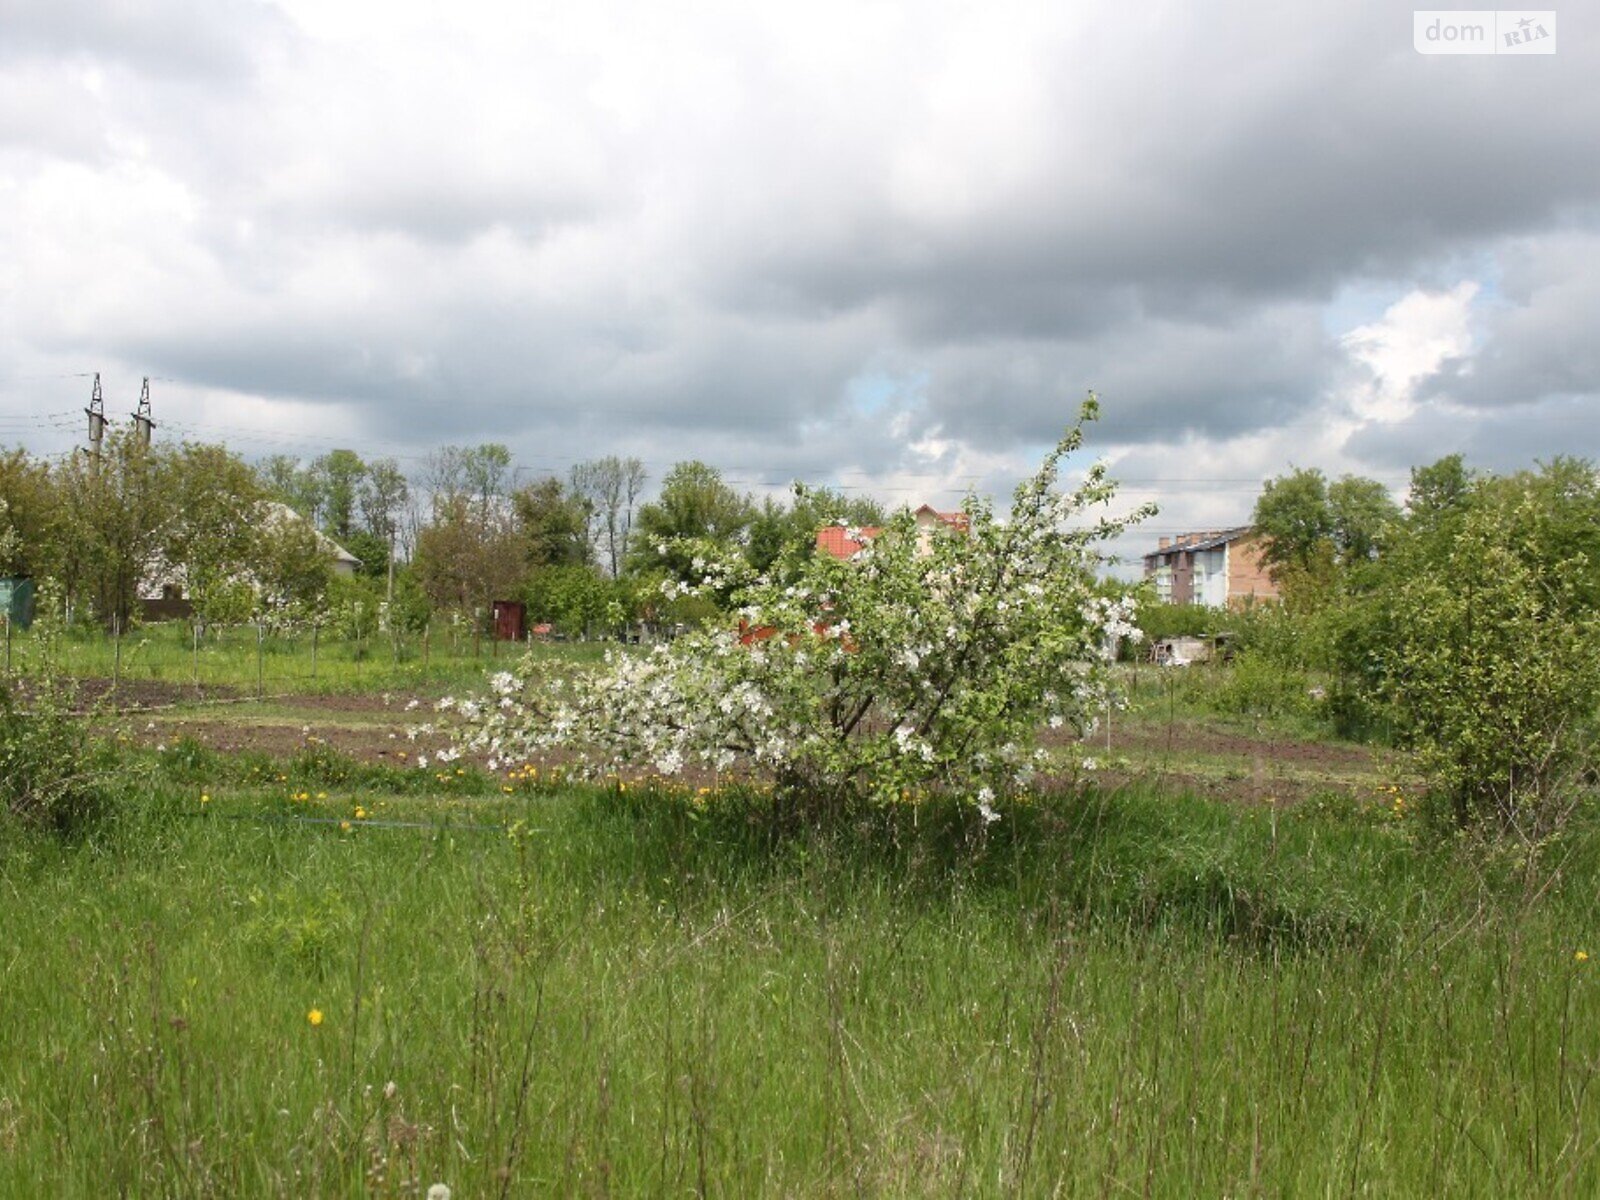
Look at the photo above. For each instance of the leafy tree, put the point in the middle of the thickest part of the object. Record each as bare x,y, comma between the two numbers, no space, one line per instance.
338,477
114,511
1294,519
409,607
285,481
383,496
1439,491
372,550
293,569
572,597
10,540
857,681
467,554
353,608
28,507
1312,531
465,558
694,505
610,487
1475,638
1559,508
1493,670
552,524
478,475
210,541
49,777
771,532
776,530
1362,515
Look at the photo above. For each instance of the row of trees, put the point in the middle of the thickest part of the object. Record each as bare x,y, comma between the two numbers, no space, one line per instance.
104,529
1467,621
585,552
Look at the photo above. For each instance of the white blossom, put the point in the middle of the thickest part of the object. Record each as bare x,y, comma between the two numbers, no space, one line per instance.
943,681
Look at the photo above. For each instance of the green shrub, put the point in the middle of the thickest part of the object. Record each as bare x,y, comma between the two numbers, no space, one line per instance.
48,776
1494,666
1161,621
1254,685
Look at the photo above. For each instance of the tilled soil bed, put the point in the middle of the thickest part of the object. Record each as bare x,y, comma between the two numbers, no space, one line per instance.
375,728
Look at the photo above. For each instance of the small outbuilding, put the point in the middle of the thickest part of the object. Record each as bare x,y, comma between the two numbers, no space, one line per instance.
16,601
510,620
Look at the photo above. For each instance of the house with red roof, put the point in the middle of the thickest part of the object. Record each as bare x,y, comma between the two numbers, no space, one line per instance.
836,539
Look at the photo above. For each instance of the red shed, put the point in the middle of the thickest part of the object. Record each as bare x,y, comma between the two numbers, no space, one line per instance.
510,621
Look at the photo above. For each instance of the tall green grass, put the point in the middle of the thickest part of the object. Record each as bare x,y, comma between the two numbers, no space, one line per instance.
610,992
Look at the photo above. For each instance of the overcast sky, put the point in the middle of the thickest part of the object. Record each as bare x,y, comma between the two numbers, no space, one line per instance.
886,246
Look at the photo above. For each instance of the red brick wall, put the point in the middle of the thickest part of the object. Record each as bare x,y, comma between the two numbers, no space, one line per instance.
1246,576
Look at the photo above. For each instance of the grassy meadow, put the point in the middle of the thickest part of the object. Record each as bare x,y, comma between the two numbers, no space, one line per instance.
308,975
235,659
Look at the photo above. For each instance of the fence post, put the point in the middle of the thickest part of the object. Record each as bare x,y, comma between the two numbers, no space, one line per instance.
315,630
426,629
261,664
194,630
8,643
116,654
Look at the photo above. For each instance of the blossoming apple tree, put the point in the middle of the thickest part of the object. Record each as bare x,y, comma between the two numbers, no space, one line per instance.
909,666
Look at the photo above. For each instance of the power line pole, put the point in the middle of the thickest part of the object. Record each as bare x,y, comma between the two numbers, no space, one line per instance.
97,422
142,424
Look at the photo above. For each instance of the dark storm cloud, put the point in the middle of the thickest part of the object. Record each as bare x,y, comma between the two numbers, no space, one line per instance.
1538,336
1239,168
1252,155
697,235
489,367
1161,380
1503,440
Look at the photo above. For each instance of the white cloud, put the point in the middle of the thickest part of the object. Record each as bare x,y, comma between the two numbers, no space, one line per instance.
1415,337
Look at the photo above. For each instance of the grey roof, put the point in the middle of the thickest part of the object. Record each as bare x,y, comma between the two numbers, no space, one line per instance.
1208,543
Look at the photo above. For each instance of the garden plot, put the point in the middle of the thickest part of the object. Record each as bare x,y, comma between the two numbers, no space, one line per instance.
1206,756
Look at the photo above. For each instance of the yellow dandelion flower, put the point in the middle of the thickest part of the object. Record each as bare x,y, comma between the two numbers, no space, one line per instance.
314,1017
1581,956
344,826
204,798
361,813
